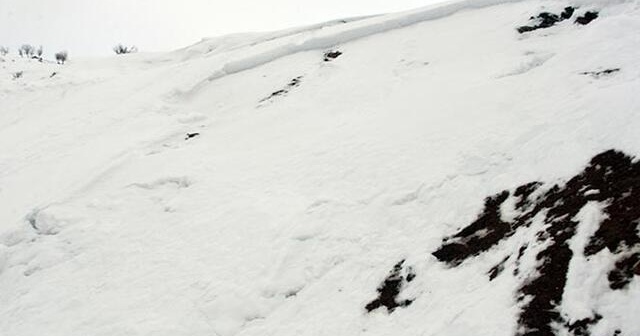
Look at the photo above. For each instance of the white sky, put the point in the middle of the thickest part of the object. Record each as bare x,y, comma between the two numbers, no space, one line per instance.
92,27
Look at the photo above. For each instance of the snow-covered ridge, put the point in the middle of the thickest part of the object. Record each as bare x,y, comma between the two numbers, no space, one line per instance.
443,171
330,35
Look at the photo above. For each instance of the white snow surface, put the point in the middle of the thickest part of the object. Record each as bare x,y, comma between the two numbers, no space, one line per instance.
283,216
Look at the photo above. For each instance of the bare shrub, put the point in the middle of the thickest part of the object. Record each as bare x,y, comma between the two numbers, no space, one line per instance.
62,56
4,51
122,49
39,53
26,50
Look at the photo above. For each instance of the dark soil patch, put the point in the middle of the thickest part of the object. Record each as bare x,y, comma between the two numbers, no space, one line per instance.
586,18
612,179
390,289
331,55
546,20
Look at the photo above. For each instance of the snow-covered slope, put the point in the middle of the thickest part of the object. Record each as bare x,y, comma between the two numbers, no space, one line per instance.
433,172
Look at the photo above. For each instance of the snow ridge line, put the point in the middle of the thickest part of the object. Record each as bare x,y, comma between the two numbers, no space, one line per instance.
270,36
331,39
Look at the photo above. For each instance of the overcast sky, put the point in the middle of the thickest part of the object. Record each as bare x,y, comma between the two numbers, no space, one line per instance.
92,27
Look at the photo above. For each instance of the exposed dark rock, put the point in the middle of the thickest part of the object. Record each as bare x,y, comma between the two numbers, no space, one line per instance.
331,55
497,269
581,327
598,74
521,252
619,185
586,18
546,20
191,135
611,179
523,193
545,291
293,83
624,270
410,274
567,13
390,289
276,93
481,235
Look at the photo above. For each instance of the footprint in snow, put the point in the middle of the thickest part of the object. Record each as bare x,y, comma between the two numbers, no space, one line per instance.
532,62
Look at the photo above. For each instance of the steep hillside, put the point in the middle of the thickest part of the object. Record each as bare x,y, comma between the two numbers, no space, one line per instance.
470,168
